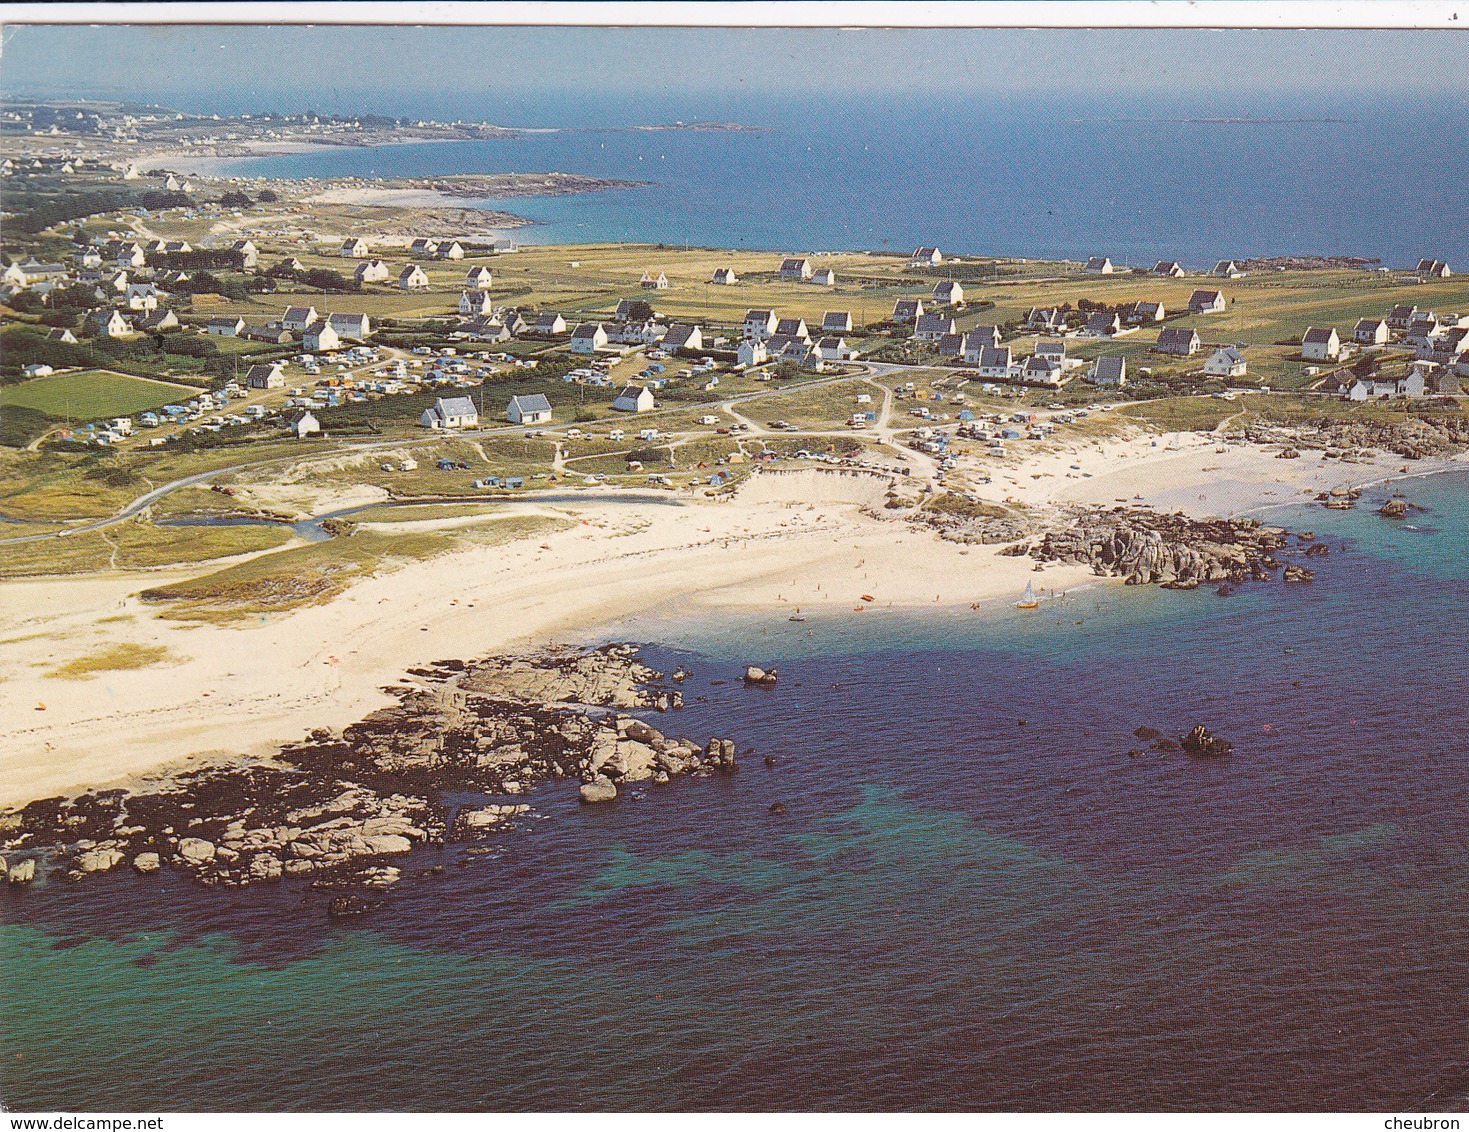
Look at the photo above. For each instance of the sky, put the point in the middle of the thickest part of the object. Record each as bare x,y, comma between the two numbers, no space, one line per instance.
399,70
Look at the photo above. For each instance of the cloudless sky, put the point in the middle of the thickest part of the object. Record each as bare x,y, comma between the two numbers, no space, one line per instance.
394,69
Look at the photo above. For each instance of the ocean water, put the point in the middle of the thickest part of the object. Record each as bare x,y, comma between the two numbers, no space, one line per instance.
976,900
1048,178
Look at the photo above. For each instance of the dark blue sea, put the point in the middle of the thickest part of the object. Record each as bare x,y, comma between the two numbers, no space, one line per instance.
1134,179
978,899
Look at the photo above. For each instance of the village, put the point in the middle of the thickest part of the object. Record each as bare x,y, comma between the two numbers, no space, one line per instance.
220,332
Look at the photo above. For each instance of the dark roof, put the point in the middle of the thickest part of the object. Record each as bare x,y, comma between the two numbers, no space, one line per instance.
1318,334
1111,367
532,403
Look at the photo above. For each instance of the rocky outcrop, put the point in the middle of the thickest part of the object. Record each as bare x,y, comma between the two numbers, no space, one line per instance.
1296,574
1175,551
764,677
1394,509
22,872
1201,741
340,807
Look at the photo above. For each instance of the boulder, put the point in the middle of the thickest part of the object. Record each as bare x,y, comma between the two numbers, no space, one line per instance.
387,843
23,872
1394,508
265,866
99,860
147,862
196,850
600,789
760,676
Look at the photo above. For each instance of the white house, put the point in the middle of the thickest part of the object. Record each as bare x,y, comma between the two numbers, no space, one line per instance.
1225,362
834,348
532,408
725,276
1205,301
303,423
1144,311
751,352
836,322
793,328
450,412
37,369
319,337
265,376
907,310
931,327
412,278
1371,332
993,361
760,324
475,302
1433,269
824,277
796,268
683,336
1167,267
353,248
948,293
1227,269
1102,324
926,257
1052,349
354,327
373,271
479,278
1099,265
547,323
1181,341
248,252
1320,344
225,327
1110,370
449,249
1040,371
588,338
657,282
634,399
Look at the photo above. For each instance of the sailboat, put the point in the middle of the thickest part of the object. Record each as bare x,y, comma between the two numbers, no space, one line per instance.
1028,600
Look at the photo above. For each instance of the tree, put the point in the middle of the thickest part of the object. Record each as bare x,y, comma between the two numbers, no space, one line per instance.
268,196
235,199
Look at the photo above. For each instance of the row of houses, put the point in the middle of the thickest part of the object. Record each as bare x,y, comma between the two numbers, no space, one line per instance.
354,247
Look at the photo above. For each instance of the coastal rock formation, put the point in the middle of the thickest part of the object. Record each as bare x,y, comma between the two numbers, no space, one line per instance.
1294,573
762,676
1201,741
1175,551
600,789
22,872
1394,509
339,807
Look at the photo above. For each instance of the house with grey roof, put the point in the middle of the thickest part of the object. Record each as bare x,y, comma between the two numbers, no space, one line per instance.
634,399
1099,265
1320,344
1226,361
1167,267
796,268
683,336
837,322
907,310
1180,341
450,412
949,293
1371,332
933,326
530,408
1227,269
1109,370
1206,301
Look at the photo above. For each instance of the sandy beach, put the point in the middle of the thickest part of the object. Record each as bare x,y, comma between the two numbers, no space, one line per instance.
798,539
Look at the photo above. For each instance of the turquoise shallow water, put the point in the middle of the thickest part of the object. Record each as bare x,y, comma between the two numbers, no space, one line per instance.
959,910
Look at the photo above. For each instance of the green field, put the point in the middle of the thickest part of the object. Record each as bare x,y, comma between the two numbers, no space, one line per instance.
85,394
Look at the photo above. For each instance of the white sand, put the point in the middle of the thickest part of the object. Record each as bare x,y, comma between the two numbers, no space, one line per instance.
247,689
